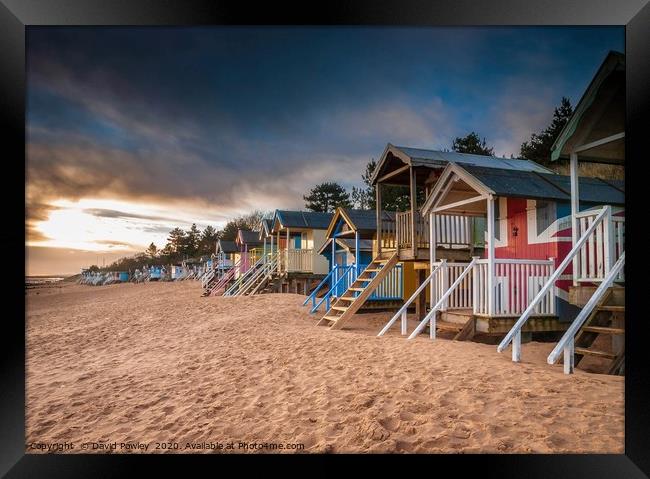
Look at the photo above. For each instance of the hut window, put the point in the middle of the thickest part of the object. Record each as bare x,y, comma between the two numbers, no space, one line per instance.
544,214
497,218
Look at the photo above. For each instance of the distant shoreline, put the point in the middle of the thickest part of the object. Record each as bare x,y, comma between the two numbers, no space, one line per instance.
44,279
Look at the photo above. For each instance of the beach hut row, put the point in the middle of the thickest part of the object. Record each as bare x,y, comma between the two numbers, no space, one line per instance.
193,269
500,247
96,278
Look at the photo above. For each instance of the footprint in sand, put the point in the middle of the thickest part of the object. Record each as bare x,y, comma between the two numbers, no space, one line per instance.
390,423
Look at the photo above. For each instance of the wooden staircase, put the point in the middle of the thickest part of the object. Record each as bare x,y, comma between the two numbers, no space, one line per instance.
359,291
607,318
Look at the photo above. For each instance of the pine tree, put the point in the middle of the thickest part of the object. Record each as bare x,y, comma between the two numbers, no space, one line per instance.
472,143
326,197
176,240
191,243
209,238
538,149
152,251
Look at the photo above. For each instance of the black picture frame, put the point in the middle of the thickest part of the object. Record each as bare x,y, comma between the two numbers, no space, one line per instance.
16,15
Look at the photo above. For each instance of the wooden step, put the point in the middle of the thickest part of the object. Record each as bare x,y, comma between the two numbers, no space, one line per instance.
365,280
339,308
333,319
607,307
603,330
445,326
356,289
347,298
372,270
594,352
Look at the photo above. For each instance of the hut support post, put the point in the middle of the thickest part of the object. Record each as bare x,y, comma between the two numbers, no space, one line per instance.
490,275
432,254
356,251
287,253
379,215
414,241
575,209
279,253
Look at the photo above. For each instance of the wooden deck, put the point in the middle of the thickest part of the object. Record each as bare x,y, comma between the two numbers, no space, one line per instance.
450,254
501,325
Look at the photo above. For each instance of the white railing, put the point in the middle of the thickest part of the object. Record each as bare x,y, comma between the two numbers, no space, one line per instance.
401,313
462,296
266,268
234,289
296,260
514,334
431,315
567,343
602,248
516,282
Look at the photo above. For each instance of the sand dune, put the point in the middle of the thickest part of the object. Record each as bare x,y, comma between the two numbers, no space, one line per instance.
157,363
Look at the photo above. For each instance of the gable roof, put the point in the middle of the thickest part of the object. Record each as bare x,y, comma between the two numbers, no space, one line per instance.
440,159
534,185
364,221
599,113
302,219
265,228
247,237
226,246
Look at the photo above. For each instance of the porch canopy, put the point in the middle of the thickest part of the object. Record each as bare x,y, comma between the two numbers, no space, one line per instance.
596,130
465,189
352,230
349,223
396,161
419,170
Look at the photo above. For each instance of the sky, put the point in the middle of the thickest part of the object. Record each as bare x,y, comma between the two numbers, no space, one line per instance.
132,131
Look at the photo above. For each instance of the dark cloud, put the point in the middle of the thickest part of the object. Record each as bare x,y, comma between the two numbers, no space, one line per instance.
231,119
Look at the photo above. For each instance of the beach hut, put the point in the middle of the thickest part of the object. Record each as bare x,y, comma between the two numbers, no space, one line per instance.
528,236
405,238
249,250
349,247
176,271
225,268
299,236
156,273
595,134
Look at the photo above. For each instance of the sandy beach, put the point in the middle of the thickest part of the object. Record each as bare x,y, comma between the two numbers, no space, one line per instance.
156,363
